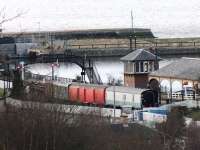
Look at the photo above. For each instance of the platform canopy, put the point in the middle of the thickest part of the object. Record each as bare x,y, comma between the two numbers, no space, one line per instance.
184,68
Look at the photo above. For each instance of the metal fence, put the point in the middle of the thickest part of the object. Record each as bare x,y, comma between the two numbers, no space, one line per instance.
46,78
158,44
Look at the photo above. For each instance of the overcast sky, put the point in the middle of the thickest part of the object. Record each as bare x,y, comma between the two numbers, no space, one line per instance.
172,17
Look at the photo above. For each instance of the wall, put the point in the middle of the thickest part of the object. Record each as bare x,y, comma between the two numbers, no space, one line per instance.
136,80
7,49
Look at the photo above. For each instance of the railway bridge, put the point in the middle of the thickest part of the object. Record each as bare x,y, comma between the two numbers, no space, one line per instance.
86,64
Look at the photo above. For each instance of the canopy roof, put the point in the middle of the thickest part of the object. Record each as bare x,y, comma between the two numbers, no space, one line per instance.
184,68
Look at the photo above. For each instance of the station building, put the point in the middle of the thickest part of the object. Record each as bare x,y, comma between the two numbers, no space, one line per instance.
137,66
176,75
178,80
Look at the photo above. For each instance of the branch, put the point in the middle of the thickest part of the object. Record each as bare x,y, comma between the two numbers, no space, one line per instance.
10,19
4,20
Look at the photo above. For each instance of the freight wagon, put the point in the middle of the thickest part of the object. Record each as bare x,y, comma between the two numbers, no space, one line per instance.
112,95
60,91
102,95
87,93
130,97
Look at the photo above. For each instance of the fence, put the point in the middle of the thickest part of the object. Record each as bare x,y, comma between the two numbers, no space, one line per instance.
157,44
179,96
46,78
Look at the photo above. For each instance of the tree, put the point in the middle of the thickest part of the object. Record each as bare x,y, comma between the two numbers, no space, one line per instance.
18,88
37,126
193,137
5,19
173,130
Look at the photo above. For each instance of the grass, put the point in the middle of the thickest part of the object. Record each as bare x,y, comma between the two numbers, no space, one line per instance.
194,114
1,92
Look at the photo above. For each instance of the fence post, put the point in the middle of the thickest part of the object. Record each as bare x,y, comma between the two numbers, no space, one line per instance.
180,44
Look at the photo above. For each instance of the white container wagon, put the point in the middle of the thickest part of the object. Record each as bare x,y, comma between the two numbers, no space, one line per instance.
124,96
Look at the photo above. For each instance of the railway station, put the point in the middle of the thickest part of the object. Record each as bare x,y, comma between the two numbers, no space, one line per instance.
179,80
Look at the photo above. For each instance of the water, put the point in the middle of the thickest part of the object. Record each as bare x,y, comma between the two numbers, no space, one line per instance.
107,69
171,18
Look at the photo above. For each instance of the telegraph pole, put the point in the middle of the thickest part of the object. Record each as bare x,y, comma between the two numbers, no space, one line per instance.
114,99
39,32
132,33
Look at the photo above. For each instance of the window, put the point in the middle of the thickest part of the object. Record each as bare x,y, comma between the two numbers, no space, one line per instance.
150,66
141,67
145,66
137,66
125,67
128,67
124,97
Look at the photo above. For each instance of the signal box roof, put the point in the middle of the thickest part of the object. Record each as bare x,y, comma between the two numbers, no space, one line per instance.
140,55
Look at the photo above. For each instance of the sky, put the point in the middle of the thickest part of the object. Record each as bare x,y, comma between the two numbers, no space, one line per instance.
166,18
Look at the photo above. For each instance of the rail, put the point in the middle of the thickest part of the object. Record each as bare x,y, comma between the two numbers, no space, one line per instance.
47,78
158,44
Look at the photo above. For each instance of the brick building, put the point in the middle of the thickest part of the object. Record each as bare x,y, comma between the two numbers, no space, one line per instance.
137,65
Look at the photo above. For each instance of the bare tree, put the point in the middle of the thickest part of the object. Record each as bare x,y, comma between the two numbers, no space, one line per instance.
4,18
173,130
48,127
193,137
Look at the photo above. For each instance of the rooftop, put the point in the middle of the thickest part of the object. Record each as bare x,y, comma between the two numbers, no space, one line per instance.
184,68
140,55
91,33
124,89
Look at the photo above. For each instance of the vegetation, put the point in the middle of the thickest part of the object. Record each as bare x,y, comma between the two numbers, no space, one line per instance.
1,92
36,126
173,130
41,128
194,113
17,89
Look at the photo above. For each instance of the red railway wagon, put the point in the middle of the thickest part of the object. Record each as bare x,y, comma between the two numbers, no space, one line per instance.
73,92
81,94
87,93
100,96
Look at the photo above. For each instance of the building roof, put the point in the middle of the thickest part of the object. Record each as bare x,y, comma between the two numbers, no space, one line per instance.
184,68
140,55
124,89
88,85
7,40
91,33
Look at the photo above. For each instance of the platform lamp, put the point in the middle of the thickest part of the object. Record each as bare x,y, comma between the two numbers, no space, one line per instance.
113,83
52,67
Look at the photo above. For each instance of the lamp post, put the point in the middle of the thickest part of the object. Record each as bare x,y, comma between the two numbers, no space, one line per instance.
4,82
52,68
113,83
